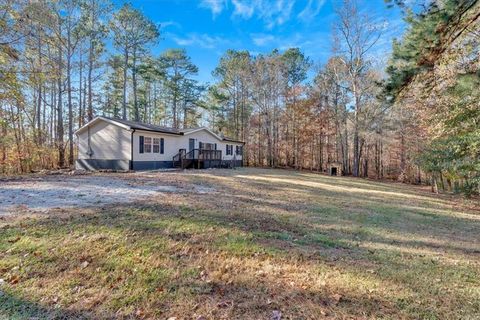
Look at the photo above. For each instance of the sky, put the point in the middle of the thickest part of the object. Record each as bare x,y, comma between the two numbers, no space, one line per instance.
207,28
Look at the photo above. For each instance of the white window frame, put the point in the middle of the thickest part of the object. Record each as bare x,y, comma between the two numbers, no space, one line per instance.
147,146
156,143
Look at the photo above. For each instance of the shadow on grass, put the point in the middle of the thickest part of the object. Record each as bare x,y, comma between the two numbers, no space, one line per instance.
247,235
254,225
12,307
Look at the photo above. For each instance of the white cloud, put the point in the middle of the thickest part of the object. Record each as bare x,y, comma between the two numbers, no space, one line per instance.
215,6
311,10
281,12
243,8
314,45
273,13
202,40
166,24
262,39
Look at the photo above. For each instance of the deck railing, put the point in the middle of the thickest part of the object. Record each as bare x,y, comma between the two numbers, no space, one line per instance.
203,154
184,159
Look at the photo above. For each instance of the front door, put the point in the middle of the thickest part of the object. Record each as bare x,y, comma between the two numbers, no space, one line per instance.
191,144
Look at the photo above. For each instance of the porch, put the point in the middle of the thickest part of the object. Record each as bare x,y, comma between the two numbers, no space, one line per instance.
198,159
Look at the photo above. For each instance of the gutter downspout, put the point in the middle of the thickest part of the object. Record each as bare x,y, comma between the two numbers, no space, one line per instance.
131,150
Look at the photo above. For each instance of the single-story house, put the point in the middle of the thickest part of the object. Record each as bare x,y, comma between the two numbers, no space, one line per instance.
108,143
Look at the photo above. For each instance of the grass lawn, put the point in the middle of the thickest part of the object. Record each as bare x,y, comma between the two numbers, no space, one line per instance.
265,243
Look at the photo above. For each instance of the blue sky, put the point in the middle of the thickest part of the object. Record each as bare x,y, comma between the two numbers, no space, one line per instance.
207,28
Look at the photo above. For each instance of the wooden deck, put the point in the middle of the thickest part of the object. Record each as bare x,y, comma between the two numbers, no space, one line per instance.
198,159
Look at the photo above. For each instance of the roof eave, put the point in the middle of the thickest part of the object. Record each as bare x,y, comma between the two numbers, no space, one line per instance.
234,141
98,118
203,128
158,131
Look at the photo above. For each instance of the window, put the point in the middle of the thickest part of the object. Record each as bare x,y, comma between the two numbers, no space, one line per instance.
156,145
239,150
229,150
147,144
206,146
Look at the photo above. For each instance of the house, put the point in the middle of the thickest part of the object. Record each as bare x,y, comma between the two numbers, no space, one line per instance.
107,143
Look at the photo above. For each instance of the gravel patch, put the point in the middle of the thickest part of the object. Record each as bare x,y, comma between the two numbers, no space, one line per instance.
46,193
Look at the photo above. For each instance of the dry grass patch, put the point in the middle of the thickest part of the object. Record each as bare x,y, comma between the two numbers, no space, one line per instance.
258,243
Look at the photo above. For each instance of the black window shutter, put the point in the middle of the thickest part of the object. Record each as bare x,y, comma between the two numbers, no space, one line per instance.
162,145
141,144
215,146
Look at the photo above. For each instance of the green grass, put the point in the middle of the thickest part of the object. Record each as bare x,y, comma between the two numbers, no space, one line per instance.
304,244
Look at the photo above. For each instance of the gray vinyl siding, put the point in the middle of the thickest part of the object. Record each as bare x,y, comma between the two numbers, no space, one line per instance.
107,142
102,164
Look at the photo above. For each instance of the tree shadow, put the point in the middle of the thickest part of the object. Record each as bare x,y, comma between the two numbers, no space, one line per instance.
253,224
14,307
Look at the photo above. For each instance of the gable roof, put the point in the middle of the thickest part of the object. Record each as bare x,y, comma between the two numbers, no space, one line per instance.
144,126
193,130
129,125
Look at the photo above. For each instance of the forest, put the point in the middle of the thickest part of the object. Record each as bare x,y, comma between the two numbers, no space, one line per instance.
415,119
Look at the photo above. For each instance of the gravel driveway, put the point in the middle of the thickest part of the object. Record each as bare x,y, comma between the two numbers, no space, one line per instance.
64,191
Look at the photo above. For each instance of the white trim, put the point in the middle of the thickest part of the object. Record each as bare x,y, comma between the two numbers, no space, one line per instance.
99,118
206,129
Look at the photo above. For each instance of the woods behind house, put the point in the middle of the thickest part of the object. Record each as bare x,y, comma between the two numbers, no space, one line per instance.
415,119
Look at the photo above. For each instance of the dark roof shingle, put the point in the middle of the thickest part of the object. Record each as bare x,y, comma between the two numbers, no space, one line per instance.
152,127
146,126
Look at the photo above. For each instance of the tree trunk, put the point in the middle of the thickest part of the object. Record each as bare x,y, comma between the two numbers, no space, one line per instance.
124,97
84,106
402,156
80,111
89,79
434,184
69,97
174,111
346,159
134,83
3,145
59,131
39,102
356,140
